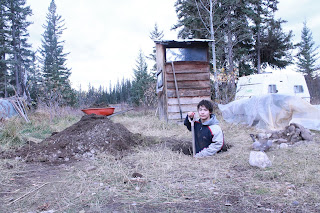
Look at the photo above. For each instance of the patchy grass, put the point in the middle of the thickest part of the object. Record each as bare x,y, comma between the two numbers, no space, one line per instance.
147,124
16,132
171,181
10,134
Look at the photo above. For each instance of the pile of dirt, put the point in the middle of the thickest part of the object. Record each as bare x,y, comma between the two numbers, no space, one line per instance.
93,134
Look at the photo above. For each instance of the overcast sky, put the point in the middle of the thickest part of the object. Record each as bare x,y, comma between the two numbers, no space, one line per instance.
104,36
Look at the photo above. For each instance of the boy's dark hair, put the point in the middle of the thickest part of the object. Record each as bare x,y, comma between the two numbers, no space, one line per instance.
207,104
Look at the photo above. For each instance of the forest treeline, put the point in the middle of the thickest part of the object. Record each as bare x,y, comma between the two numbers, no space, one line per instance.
39,75
246,38
245,33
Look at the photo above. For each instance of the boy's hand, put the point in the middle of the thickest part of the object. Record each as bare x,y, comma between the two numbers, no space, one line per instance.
191,114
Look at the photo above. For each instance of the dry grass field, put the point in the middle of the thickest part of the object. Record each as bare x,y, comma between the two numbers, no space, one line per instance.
170,181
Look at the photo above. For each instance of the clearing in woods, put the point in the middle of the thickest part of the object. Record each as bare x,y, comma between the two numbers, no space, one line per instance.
132,163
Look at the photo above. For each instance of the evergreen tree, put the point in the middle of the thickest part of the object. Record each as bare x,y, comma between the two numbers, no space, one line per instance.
141,82
191,19
260,16
119,93
244,31
156,34
276,46
234,37
19,48
272,45
238,38
307,52
34,77
4,48
198,19
110,98
127,87
123,91
53,59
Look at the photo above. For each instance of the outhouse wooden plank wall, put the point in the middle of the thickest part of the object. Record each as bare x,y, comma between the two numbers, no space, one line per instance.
192,80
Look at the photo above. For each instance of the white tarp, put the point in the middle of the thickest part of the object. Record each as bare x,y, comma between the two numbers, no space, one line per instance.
272,111
6,109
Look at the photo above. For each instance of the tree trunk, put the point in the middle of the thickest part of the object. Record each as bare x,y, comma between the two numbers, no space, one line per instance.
4,74
5,84
214,65
15,55
258,51
230,61
24,89
16,68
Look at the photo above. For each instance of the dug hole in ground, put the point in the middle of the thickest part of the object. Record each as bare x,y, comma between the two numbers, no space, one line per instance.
132,162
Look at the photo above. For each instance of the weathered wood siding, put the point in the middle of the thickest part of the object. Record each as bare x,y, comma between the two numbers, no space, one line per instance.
162,95
193,81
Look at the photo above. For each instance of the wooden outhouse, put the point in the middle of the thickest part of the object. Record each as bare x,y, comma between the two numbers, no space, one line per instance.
183,76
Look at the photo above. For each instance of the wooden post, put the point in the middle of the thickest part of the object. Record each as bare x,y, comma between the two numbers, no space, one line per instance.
177,91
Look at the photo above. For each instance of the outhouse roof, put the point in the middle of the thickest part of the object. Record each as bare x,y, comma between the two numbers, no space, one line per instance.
180,43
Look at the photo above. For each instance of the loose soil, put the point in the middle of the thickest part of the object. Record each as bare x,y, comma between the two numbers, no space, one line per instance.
90,136
93,134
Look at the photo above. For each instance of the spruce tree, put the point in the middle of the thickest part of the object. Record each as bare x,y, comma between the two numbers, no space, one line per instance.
198,19
53,59
276,46
34,77
18,13
4,48
272,45
307,52
307,57
127,87
141,82
245,32
156,34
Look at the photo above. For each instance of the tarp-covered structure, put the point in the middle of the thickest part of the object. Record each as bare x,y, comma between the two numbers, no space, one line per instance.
272,111
6,109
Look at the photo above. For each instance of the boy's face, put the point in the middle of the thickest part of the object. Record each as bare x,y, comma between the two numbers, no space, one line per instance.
204,113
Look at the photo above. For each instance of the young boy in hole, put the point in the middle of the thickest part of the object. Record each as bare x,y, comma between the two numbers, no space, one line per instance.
209,138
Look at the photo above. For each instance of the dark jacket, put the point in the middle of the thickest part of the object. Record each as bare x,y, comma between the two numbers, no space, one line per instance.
208,136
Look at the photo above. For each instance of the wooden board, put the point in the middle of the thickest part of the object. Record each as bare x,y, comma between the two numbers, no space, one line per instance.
184,108
189,85
189,92
193,79
160,57
176,116
189,77
193,100
187,104
188,68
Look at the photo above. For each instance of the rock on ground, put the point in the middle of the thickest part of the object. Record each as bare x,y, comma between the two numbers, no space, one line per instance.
259,159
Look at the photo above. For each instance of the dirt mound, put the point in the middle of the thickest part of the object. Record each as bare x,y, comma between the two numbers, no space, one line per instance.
91,135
